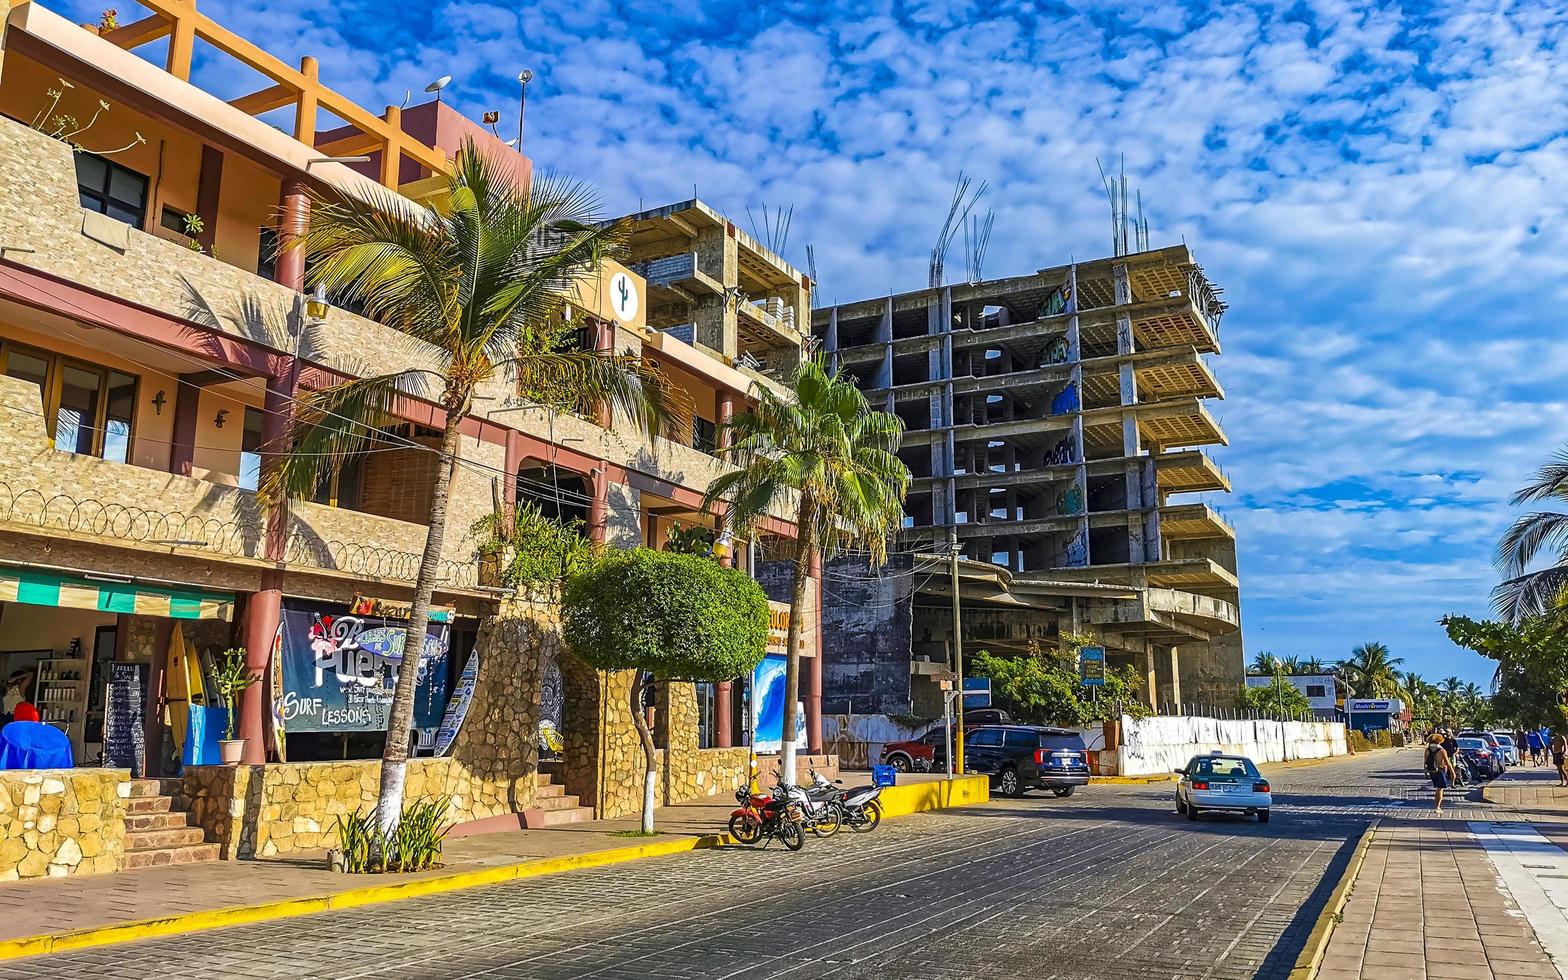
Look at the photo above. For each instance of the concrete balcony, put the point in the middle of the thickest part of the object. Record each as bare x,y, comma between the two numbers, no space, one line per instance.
161,522
1182,521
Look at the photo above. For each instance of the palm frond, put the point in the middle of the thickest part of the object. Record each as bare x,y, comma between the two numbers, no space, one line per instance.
329,426
1551,481
1526,537
1533,594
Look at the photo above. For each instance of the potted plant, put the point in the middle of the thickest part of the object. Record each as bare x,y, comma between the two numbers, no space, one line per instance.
232,677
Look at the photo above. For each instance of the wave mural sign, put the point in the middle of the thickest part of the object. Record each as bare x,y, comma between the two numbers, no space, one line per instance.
340,670
767,706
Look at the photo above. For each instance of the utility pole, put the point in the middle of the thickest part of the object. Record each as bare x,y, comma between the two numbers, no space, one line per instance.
958,648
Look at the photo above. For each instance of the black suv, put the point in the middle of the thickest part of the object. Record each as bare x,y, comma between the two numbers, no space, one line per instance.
1019,758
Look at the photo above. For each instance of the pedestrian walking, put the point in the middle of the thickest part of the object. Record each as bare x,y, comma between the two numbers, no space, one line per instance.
1560,757
1439,768
1532,739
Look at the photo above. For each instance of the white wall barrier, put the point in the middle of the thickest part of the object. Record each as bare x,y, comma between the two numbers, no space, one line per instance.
1161,744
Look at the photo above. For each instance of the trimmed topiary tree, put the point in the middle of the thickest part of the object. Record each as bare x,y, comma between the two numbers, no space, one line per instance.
679,616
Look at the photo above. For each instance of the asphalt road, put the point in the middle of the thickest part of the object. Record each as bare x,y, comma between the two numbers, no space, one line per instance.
1109,883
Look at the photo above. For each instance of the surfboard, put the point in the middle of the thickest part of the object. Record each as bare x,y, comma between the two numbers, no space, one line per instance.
177,693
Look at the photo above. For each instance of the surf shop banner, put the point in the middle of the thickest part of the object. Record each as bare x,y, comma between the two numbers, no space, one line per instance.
340,669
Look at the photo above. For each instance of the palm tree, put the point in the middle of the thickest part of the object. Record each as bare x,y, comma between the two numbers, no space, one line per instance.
1371,670
1524,593
477,279
837,460
1263,663
1312,665
1412,684
1291,665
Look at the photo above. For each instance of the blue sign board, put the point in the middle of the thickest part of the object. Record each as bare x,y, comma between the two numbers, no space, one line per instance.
1091,666
340,669
977,692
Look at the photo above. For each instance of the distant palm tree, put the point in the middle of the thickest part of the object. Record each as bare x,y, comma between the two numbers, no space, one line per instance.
1371,671
1451,685
1523,593
1292,665
1264,663
1312,665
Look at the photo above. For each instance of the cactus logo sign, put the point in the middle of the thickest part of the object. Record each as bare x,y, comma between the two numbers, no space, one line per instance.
623,296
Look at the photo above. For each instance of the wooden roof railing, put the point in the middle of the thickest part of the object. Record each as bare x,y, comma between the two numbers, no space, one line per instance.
183,25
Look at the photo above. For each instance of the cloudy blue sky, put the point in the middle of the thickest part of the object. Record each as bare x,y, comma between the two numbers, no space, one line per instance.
1378,189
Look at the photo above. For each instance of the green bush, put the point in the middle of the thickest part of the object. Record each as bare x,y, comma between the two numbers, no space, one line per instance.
1358,742
1280,694
1383,739
1042,687
682,617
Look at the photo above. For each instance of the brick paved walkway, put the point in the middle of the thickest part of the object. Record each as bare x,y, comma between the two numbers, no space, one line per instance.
1430,901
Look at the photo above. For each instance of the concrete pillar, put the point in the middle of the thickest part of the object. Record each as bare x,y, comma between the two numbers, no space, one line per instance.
208,187
293,221
514,460
726,416
1174,695
724,715
1150,680
182,441
598,508
263,613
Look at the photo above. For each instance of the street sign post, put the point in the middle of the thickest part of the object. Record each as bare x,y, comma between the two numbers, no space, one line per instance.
1091,666
977,692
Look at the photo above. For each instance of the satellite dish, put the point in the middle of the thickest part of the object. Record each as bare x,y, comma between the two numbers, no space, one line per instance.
439,84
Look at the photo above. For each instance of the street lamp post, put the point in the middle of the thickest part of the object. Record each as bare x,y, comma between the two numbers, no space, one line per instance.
1279,696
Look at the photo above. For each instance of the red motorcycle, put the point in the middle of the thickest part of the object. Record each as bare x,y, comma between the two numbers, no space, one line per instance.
771,816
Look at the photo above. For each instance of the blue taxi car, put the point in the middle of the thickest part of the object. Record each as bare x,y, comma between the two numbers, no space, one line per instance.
1223,782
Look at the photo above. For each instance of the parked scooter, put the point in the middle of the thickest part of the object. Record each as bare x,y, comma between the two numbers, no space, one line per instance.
772,815
858,807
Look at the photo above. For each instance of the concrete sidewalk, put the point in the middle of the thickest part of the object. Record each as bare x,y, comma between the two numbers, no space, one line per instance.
1455,899
40,915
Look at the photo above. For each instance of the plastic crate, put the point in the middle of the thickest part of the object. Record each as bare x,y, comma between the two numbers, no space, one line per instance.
884,776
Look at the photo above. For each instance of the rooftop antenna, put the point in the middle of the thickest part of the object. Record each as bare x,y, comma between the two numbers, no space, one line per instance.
775,226
957,216
439,84
811,264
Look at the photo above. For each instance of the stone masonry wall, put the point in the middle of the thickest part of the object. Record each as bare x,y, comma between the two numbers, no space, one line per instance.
56,822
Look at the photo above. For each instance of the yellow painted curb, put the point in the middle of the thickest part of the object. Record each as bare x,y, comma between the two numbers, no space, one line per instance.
1130,780
126,932
1317,940
896,801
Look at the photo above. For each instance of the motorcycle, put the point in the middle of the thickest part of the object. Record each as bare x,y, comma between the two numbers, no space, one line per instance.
823,812
858,807
773,816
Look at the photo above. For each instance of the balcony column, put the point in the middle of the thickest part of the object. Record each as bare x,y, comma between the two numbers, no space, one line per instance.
726,416
293,221
814,677
599,507
182,440
604,343
514,461
264,607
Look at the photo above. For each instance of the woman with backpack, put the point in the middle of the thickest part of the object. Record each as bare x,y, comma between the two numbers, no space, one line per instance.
1439,768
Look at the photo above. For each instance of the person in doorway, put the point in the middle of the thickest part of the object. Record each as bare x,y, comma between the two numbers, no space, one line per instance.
1559,747
1439,768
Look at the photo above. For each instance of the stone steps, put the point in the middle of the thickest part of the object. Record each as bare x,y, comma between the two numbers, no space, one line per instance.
157,831
163,856
167,820
535,818
157,840
553,806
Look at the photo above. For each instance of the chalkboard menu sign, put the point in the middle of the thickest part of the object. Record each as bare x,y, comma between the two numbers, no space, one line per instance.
123,736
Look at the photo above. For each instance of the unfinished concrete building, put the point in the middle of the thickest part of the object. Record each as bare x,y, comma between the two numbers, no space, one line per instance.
719,289
1051,420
